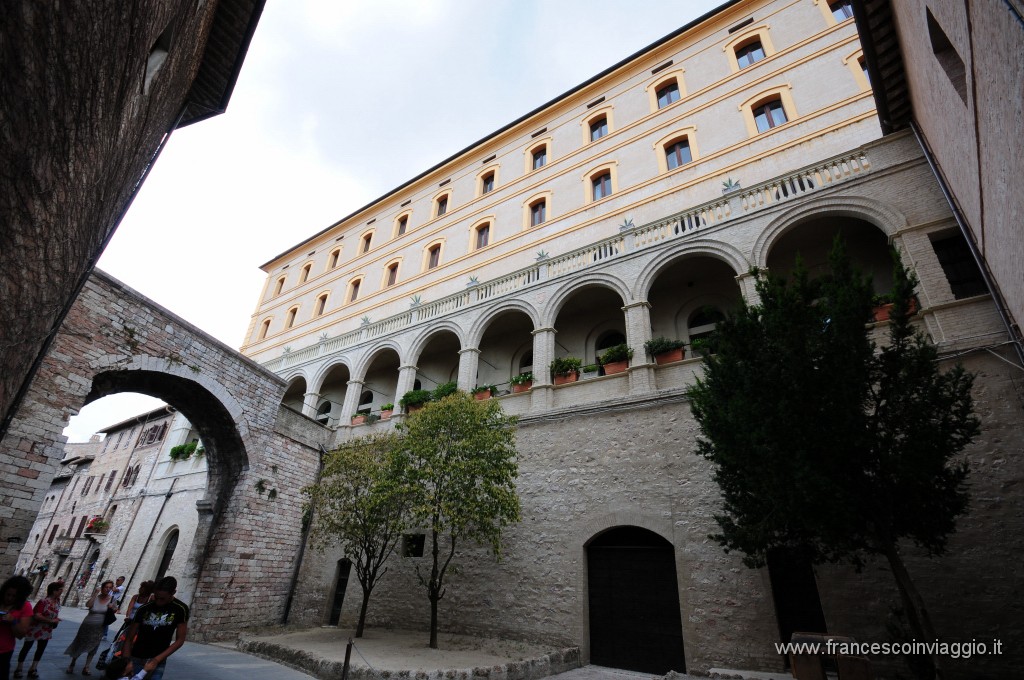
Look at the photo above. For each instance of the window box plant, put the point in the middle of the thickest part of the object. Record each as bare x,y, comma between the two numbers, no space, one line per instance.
482,392
664,350
183,451
96,525
359,417
521,382
413,400
386,410
700,347
883,307
616,359
590,371
566,370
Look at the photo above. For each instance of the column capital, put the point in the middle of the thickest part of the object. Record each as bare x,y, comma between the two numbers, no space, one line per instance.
538,331
749,275
638,303
356,382
408,366
470,349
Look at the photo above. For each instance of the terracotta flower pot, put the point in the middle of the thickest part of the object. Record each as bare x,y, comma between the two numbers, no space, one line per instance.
358,420
481,396
413,409
384,415
567,378
616,367
522,387
882,312
669,356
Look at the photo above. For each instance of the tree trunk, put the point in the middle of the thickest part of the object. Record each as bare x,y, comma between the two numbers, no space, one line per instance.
917,614
362,614
433,621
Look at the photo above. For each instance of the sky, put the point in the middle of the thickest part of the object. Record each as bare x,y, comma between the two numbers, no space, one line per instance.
337,103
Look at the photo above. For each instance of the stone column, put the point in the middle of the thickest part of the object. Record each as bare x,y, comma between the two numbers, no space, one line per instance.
351,403
406,379
469,361
309,402
638,331
543,354
748,289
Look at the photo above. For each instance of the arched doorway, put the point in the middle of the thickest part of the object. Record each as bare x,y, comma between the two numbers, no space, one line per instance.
635,622
168,555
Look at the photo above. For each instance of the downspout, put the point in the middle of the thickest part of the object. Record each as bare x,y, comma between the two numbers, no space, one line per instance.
1011,329
302,546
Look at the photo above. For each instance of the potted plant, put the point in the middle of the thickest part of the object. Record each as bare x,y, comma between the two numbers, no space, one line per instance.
566,370
521,382
359,417
386,410
883,306
183,451
482,392
96,525
616,359
664,350
590,371
700,347
443,390
413,400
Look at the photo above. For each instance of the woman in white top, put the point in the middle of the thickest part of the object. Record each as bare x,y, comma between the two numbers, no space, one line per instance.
91,631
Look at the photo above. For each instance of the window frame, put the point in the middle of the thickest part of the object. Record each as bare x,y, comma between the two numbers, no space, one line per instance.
528,204
304,272
783,93
264,330
689,133
320,306
593,174
753,34
392,266
366,241
491,170
593,117
661,82
352,289
290,316
279,288
481,228
441,198
855,62
333,259
534,146
429,261
398,229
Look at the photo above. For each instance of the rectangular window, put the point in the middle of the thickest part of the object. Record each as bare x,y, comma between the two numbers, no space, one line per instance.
841,10
482,234
131,436
947,56
750,53
354,295
435,257
537,213
110,480
403,222
392,275
769,115
678,154
442,206
366,242
81,526
52,534
487,184
668,94
540,157
602,186
88,485
598,129
962,273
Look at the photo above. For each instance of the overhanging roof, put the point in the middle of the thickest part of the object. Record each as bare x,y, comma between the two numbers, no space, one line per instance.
884,60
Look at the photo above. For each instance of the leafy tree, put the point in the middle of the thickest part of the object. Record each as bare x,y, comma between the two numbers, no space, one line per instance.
359,505
458,463
823,445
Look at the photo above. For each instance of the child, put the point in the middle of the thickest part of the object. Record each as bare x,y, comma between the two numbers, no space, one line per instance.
121,667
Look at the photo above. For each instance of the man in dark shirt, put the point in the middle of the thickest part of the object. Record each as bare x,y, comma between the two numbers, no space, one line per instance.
154,626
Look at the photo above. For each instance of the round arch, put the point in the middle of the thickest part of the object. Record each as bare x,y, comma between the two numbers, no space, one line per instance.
476,331
363,364
716,250
887,219
596,279
317,382
421,341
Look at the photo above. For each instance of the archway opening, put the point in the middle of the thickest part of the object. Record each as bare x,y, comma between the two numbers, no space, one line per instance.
332,396
590,313
689,295
295,394
438,363
381,382
168,554
635,622
506,348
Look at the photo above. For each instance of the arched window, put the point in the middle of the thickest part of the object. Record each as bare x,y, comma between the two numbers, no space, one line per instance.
483,235
279,286
749,53
332,260
264,329
391,275
353,289
323,412
304,273
601,185
702,322
290,319
677,153
769,114
165,559
366,241
608,339
487,183
538,212
321,304
598,128
667,94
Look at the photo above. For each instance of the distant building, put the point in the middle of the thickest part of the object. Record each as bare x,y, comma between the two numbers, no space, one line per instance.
121,506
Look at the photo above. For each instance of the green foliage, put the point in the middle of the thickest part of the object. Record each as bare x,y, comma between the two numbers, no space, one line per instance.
591,368
443,390
566,366
821,444
415,398
521,379
387,407
359,504
621,352
458,467
662,345
185,451
485,388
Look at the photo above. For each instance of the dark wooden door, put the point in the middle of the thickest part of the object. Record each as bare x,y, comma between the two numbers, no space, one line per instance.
634,603
795,592
340,585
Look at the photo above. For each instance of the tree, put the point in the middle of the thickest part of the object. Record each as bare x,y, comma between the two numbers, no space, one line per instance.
358,504
458,463
820,443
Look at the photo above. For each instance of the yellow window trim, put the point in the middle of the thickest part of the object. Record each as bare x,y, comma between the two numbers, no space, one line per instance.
662,80
852,62
690,133
479,179
407,214
490,220
337,260
326,295
610,167
759,32
533,146
783,92
546,195
603,112
348,288
397,261
826,12
426,253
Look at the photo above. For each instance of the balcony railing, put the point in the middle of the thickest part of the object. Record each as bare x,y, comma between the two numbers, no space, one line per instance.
737,204
63,545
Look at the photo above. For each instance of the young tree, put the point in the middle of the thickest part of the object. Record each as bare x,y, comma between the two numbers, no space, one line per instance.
458,463
359,505
821,444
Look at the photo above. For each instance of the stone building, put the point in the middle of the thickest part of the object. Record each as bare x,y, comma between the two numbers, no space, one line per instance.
633,207
123,505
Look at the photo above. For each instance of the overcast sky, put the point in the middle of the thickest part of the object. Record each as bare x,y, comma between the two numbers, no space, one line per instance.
337,103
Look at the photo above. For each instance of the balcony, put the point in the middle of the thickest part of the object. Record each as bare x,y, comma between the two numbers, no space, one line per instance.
63,545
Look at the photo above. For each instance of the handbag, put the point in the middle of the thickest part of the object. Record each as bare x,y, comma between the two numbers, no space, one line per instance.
110,616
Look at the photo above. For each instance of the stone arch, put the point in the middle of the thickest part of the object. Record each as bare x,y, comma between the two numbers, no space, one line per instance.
714,249
362,365
888,219
420,342
566,290
479,327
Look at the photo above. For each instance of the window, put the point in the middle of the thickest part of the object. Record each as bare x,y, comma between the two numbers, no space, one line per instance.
321,305
304,275
110,480
367,240
602,185
442,206
279,286
391,278
864,69
769,114
959,266
841,10
749,54
403,224
538,212
332,260
599,127
483,234
668,94
540,157
412,545
678,154
264,329
433,256
353,290
53,534
290,319
487,183
81,526
947,56
131,436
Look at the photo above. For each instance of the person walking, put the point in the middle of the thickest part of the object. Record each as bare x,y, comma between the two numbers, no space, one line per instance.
90,633
15,620
45,617
153,628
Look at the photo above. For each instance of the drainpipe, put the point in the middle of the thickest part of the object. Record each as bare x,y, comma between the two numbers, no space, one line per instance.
961,220
302,546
